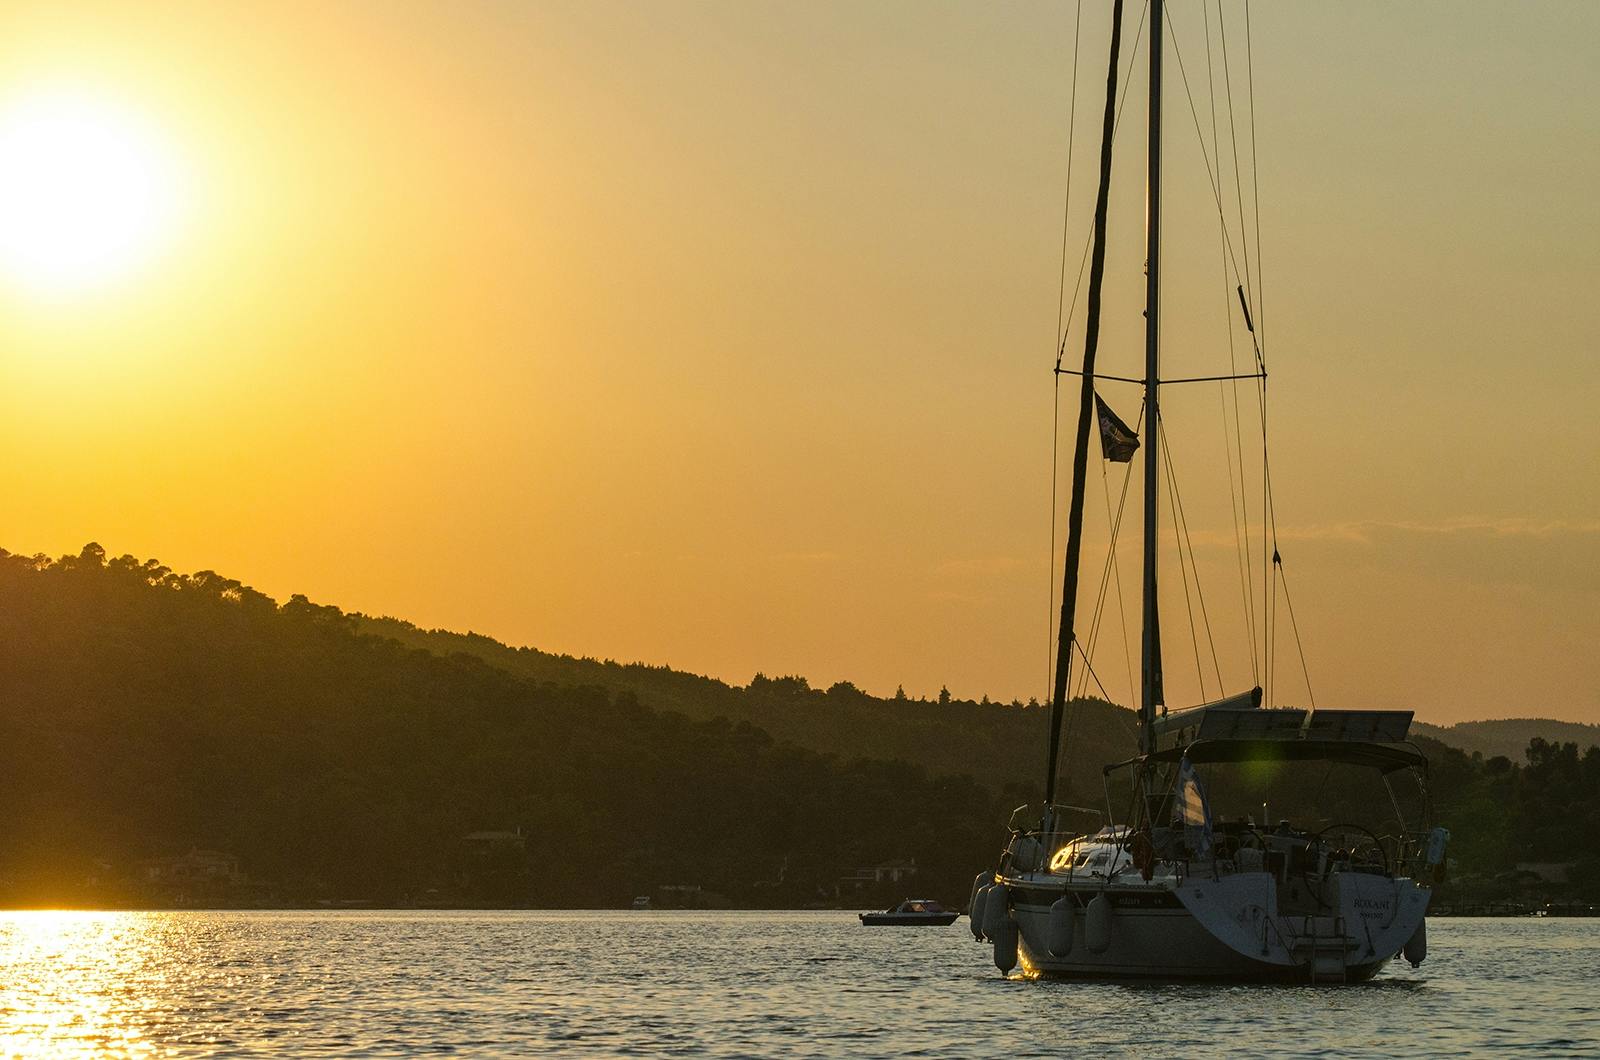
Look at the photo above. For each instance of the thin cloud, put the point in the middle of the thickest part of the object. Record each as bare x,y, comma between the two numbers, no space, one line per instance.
1367,532
805,557
980,567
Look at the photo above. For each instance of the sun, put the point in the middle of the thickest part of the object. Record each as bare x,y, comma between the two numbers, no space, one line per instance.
89,191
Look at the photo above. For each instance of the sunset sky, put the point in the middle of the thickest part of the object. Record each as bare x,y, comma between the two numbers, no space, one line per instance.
719,334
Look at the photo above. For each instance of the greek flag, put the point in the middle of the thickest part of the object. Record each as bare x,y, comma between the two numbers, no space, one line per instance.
1190,809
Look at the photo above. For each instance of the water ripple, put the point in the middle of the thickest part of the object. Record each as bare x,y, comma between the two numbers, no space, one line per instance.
727,985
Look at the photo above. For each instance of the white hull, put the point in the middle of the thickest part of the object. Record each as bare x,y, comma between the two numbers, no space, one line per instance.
1226,929
1149,943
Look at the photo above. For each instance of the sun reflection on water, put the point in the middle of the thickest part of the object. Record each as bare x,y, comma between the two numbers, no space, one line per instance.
71,984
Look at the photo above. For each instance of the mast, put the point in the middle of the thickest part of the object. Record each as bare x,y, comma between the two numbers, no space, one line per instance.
1067,635
1150,650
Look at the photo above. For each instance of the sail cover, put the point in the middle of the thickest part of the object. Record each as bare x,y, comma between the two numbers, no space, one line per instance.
1191,811
1117,439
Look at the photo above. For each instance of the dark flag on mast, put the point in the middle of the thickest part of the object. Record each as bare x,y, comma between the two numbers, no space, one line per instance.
1117,439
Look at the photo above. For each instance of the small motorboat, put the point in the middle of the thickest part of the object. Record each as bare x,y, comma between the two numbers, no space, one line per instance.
913,912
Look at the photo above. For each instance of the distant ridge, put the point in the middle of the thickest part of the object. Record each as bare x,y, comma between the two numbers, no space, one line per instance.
1509,737
999,744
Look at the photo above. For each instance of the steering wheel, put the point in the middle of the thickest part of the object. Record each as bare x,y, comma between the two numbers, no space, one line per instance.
1358,853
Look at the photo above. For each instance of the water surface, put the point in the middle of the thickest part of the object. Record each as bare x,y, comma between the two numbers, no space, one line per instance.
728,984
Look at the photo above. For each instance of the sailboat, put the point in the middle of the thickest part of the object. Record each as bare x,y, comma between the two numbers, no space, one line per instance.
1162,888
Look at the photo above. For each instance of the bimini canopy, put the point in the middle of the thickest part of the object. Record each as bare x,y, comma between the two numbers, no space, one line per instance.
1384,757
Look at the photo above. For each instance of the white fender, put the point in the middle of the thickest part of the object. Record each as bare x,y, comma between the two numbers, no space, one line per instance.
996,911
1063,917
1005,943
979,911
1416,948
1097,924
974,911
978,882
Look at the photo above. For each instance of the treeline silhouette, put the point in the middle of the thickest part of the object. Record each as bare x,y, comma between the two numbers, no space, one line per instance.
1001,744
1509,737
146,713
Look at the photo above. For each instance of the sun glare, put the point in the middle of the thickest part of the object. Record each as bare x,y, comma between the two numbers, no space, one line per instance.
88,192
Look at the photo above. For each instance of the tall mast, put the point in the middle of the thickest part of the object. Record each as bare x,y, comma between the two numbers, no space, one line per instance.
1150,651
1067,636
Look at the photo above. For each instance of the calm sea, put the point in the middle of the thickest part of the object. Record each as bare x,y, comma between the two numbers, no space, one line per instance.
729,984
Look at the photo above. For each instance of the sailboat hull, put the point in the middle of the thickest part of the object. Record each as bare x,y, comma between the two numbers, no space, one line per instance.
1165,944
1221,929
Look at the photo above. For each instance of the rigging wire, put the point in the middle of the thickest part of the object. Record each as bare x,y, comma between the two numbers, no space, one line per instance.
1062,328
1127,83
1055,479
1238,502
1067,627
1181,523
1294,625
1246,281
1061,348
1214,178
1233,135
1240,540
1247,278
1238,499
1246,284
1249,289
1066,198
1270,514
1095,623
1272,659
1268,523
1089,666
1116,571
1269,534
1098,611
1249,285
1247,297
1183,572
1255,176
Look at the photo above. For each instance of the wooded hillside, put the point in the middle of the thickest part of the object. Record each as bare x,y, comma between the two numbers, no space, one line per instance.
321,756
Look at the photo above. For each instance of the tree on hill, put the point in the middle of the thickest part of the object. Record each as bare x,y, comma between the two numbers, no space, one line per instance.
144,714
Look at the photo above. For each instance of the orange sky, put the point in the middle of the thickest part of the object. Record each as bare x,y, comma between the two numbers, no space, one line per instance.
718,335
